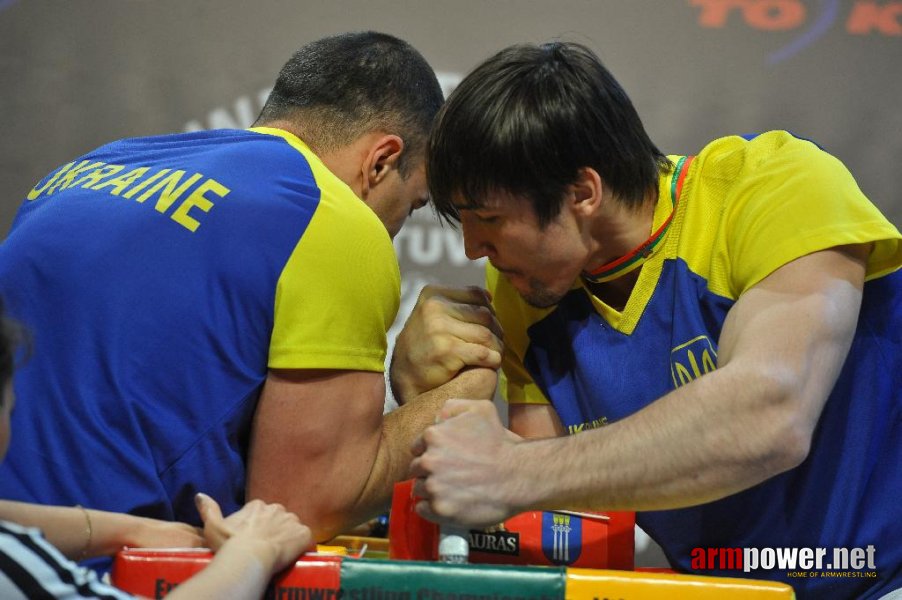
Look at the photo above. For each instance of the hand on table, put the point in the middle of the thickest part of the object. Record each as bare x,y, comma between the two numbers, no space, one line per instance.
448,330
462,467
267,530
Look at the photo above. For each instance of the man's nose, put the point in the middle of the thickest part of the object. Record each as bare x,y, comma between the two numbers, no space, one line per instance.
476,245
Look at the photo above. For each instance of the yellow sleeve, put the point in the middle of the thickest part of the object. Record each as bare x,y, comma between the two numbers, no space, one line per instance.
793,199
516,384
340,289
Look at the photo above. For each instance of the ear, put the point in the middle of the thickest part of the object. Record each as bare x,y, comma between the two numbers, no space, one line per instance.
382,156
587,192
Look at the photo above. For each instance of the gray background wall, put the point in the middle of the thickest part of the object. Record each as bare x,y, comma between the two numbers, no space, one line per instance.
77,73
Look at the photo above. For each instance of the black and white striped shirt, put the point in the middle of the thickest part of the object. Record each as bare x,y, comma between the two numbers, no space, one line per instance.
32,569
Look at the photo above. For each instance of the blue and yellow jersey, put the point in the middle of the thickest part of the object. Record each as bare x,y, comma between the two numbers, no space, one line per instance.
161,278
747,206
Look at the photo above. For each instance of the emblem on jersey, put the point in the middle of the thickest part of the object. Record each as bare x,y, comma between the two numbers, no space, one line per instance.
562,537
692,359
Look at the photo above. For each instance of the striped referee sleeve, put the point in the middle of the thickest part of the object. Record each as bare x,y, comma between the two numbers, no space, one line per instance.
31,568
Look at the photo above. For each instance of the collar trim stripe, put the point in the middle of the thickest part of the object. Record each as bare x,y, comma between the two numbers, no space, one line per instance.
638,255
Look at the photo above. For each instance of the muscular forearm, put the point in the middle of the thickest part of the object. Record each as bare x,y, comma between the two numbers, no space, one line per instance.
693,446
348,453
689,447
403,426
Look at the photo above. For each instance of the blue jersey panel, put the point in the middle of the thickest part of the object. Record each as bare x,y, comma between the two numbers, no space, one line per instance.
158,290
588,370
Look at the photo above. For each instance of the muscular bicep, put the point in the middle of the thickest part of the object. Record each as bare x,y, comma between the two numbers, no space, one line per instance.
313,442
794,328
534,421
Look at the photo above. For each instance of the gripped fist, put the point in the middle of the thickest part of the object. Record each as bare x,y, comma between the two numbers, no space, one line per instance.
448,330
462,467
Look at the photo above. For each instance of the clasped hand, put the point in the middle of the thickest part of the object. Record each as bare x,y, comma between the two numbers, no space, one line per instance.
463,466
448,330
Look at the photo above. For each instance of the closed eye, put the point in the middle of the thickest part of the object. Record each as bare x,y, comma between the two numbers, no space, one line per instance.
483,218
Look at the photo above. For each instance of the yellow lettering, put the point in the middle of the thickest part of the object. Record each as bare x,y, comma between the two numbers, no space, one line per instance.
708,362
197,199
593,424
145,183
66,180
37,191
169,193
123,181
95,176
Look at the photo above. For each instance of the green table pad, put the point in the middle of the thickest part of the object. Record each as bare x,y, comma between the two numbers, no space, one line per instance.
363,579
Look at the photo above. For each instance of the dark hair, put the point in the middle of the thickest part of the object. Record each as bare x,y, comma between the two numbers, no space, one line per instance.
346,85
526,120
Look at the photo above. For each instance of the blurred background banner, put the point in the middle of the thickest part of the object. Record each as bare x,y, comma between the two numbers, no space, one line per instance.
77,73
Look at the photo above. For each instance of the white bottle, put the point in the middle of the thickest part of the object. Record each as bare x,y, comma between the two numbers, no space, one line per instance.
453,544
